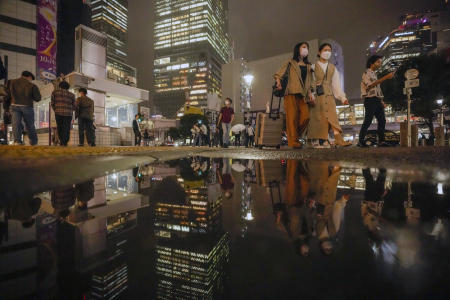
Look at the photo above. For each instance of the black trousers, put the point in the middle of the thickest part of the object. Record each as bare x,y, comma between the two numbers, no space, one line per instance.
86,126
374,108
63,125
137,138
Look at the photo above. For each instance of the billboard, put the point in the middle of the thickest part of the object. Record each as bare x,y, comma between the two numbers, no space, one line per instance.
46,39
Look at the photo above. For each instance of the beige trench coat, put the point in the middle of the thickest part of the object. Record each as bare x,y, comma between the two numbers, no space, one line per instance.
323,114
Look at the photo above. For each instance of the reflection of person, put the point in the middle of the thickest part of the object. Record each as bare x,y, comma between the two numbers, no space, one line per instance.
62,199
23,209
84,193
226,179
323,116
323,188
375,190
297,214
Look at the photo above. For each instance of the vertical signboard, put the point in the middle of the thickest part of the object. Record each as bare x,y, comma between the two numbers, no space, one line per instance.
46,39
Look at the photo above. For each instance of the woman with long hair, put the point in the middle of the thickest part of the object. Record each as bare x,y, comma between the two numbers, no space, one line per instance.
323,116
299,92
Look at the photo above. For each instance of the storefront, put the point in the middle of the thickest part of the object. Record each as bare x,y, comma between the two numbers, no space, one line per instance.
115,108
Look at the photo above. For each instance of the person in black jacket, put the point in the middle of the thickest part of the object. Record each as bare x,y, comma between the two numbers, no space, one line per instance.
137,131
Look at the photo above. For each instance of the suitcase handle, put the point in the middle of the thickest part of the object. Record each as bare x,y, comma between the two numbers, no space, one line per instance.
274,113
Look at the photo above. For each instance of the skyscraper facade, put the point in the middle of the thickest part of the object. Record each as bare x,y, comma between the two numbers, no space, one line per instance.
191,43
418,34
111,18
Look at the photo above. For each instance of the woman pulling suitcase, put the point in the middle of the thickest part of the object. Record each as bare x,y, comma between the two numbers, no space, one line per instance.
298,92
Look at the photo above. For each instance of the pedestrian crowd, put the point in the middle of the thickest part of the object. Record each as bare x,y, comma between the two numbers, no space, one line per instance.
18,111
309,92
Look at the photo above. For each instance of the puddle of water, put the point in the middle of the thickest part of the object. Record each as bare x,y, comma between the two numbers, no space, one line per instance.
201,228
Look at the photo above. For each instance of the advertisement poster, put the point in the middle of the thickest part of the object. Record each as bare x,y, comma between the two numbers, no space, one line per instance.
46,39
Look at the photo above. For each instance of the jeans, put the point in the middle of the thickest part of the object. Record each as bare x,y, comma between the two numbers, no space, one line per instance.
226,127
63,125
86,125
27,114
373,108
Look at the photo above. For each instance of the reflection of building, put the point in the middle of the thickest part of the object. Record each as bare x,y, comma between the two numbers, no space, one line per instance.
417,35
95,242
111,18
191,43
192,251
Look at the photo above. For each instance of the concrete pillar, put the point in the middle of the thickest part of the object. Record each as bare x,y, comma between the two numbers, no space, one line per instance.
439,134
404,135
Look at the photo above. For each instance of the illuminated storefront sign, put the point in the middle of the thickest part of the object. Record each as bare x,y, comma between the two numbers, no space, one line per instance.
46,39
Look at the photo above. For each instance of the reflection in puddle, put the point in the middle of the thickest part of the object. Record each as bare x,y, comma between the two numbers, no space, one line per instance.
201,228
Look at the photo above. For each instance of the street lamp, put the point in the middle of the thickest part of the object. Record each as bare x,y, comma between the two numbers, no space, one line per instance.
248,79
440,101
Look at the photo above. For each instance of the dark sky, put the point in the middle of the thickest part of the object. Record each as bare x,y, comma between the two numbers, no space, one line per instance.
263,28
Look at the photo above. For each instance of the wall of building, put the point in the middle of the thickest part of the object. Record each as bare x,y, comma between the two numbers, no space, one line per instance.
18,36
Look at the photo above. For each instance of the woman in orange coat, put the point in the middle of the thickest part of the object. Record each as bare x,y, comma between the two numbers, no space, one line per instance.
298,93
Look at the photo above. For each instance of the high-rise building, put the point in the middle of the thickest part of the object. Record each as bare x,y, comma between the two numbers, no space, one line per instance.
191,43
418,34
18,36
71,13
111,18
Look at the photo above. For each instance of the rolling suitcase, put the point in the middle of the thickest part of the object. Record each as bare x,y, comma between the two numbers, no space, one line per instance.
269,127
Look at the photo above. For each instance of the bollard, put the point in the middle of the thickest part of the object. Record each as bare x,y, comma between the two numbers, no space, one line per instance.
404,135
439,136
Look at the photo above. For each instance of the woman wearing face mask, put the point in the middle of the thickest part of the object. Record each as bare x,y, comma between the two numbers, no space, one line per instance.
298,93
323,116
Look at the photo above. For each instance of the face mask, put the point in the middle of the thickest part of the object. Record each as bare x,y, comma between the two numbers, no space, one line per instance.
304,52
326,55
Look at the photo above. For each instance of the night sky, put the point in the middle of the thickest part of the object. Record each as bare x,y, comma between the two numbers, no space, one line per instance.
263,28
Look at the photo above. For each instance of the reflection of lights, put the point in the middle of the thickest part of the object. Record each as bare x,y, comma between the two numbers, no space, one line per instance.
440,189
249,216
114,176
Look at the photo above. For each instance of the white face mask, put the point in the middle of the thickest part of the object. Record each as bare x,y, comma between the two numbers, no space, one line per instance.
325,55
304,52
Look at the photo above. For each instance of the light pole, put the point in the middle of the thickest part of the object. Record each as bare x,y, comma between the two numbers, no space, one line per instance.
441,115
248,80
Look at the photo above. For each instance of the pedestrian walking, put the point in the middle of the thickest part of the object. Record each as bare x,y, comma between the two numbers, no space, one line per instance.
299,92
250,140
226,117
23,94
7,118
323,116
373,100
84,111
237,139
146,137
204,134
63,104
137,131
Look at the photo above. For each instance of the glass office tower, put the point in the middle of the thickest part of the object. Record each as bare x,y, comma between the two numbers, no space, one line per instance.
111,18
191,43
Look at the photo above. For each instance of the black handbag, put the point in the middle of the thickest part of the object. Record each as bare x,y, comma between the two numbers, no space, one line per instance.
319,89
284,82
